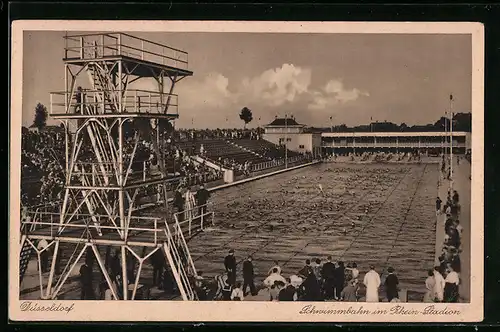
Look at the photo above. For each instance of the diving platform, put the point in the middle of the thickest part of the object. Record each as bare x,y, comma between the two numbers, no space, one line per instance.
115,163
139,56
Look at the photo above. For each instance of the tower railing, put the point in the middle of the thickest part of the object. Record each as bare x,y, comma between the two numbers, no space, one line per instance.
184,219
48,225
102,45
133,101
133,172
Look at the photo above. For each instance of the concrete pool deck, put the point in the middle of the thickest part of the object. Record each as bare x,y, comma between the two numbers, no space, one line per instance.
462,184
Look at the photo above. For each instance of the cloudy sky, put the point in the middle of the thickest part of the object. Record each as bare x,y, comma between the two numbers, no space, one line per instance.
350,77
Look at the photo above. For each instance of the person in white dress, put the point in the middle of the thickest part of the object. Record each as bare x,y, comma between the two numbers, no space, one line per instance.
430,284
439,285
189,204
372,283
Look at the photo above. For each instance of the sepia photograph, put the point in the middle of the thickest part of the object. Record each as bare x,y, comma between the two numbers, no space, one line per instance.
335,171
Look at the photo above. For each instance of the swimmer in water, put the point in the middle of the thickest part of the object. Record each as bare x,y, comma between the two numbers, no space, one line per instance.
321,189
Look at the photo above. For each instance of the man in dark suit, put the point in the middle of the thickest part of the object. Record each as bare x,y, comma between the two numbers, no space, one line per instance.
202,196
248,276
328,275
306,270
158,262
179,203
391,285
230,265
87,291
339,279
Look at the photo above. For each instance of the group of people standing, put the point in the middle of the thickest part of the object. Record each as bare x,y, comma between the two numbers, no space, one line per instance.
316,281
442,283
186,200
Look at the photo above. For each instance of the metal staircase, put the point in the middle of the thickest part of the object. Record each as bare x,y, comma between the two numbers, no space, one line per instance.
24,259
181,264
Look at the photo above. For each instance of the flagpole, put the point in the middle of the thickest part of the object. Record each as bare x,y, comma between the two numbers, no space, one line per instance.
451,142
443,138
286,142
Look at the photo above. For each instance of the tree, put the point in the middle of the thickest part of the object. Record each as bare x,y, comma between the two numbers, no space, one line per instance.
40,120
246,116
443,124
462,122
403,127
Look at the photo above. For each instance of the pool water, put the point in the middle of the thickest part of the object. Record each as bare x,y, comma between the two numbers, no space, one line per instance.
378,214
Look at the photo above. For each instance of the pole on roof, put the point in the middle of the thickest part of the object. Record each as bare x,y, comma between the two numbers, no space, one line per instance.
286,142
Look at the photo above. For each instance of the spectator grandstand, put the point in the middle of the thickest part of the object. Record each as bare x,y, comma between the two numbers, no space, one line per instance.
243,151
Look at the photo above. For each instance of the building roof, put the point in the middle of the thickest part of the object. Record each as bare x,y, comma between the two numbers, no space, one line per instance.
282,122
394,134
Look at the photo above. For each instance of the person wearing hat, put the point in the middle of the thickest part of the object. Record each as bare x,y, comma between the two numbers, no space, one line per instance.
230,265
391,285
248,277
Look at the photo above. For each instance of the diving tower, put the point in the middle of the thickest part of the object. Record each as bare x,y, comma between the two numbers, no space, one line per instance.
116,138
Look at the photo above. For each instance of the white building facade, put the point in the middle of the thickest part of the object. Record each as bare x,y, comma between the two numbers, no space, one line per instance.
425,142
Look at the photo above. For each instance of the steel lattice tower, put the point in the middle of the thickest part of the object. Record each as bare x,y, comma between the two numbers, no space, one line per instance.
107,173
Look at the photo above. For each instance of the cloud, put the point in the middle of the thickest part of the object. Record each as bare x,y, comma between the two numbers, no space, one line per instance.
212,91
334,93
215,98
277,86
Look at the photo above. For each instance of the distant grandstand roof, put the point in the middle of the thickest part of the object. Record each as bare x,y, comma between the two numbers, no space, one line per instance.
281,122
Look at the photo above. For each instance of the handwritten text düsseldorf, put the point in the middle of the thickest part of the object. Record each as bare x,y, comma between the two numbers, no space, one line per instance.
54,307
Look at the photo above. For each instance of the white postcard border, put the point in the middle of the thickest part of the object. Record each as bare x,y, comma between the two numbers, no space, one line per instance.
251,311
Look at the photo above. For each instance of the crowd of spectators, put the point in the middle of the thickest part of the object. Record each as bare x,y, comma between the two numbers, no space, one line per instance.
228,134
42,158
449,260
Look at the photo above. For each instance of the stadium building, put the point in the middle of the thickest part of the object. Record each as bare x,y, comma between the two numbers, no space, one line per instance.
301,139
296,137
424,142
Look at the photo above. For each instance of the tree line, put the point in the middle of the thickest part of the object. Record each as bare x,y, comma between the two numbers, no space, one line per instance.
461,122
